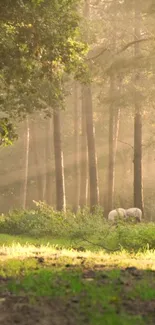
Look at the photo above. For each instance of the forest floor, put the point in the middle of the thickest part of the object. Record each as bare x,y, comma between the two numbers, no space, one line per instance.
49,285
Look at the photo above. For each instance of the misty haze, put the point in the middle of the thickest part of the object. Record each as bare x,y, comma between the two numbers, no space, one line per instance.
77,162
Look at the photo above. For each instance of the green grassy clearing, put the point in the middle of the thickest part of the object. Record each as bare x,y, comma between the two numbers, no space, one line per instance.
100,288
80,269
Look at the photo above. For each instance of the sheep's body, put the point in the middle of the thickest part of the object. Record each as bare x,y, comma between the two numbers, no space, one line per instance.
114,214
128,214
134,213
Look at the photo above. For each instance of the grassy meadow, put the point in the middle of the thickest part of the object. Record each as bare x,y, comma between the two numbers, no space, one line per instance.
66,269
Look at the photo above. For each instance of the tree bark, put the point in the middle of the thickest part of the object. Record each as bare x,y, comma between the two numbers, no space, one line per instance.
48,156
92,159
76,150
26,162
39,176
83,157
117,116
112,124
44,163
111,150
138,180
59,166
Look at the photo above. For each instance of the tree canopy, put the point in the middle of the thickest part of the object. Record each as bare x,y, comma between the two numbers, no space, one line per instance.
39,46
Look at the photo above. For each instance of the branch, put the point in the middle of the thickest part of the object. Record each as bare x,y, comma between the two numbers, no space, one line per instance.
106,248
135,42
124,48
97,55
126,144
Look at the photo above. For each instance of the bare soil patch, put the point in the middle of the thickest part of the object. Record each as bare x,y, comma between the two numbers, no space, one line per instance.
45,311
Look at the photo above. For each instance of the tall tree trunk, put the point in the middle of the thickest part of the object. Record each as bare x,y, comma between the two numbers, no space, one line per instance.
84,146
48,157
92,159
76,149
39,176
26,162
117,116
83,157
111,149
138,180
117,119
116,134
114,123
59,166
90,131
44,162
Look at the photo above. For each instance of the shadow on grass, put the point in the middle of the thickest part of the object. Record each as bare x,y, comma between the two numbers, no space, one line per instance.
35,292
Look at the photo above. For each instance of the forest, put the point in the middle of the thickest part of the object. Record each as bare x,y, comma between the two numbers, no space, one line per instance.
97,112
77,157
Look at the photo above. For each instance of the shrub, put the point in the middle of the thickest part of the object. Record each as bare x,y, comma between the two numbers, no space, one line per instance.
84,226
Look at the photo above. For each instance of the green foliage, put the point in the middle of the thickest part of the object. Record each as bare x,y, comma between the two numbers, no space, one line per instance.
88,230
7,132
33,223
39,45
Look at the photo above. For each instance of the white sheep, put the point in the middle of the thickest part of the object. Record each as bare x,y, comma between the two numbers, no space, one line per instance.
134,213
114,214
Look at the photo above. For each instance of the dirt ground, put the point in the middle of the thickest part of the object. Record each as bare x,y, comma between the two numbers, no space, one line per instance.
25,310
18,310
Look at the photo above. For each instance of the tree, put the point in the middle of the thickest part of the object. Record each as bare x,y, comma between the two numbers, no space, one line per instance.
27,149
92,159
48,161
138,186
76,182
59,166
83,156
39,45
114,115
7,132
34,131
111,164
90,132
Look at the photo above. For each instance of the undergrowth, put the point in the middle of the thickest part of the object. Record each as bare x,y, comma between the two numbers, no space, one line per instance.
82,229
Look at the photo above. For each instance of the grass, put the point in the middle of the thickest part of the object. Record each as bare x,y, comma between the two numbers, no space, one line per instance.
98,273
97,293
69,230
94,284
10,240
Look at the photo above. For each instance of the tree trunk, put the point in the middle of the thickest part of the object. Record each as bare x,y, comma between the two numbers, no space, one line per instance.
83,157
76,149
111,149
117,121
92,159
84,147
138,181
38,171
117,116
59,167
138,188
26,162
44,162
48,157
112,124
